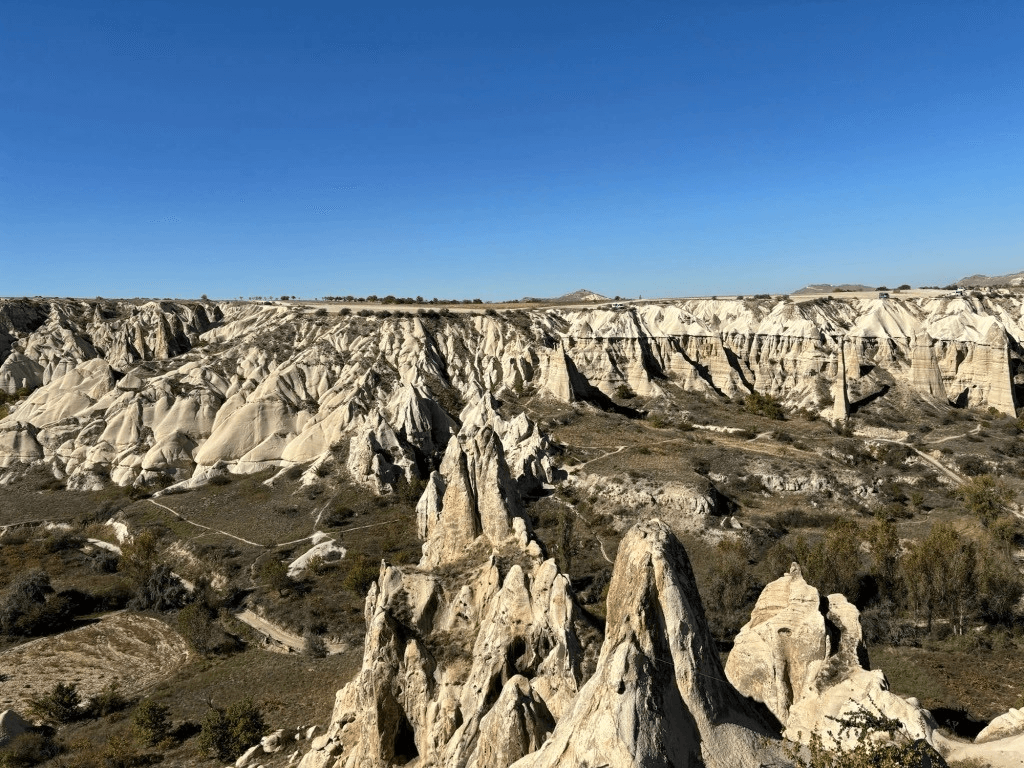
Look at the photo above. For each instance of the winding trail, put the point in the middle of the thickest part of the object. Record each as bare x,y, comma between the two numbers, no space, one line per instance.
930,459
206,527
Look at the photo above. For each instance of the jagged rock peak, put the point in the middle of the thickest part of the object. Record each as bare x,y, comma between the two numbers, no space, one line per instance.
471,499
469,670
659,696
803,656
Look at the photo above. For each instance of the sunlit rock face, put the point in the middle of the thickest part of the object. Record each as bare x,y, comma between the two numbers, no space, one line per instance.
803,656
158,392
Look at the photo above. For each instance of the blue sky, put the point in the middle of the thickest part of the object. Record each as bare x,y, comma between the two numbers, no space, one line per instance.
500,150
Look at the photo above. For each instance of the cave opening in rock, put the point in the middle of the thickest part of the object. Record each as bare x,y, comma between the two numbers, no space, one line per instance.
405,742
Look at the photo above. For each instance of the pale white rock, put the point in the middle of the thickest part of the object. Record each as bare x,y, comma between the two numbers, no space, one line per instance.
1010,723
659,696
804,658
324,547
19,444
257,386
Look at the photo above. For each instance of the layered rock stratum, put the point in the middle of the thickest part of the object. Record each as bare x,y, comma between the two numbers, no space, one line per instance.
167,392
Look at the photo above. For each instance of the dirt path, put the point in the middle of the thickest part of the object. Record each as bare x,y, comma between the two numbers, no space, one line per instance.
930,459
280,635
974,431
206,527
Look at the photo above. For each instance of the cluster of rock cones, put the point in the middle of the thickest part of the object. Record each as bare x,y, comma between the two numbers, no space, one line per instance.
481,657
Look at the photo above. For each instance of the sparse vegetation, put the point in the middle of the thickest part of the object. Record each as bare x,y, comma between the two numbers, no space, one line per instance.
228,732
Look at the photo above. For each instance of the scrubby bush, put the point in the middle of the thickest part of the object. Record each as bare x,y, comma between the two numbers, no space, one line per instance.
107,701
273,574
151,722
973,466
59,706
764,405
986,497
623,392
878,742
30,748
313,645
229,732
195,624
361,574
161,591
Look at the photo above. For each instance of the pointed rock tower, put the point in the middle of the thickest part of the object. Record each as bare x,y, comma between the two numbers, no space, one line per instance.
840,398
659,697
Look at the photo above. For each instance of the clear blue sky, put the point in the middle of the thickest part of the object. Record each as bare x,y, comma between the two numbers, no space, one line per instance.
497,150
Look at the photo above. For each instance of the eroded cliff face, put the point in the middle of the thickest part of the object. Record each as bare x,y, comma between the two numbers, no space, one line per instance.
169,392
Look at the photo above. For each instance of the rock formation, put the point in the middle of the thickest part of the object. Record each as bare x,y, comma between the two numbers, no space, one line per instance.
659,696
476,658
167,391
1009,724
802,655
465,663
840,398
12,725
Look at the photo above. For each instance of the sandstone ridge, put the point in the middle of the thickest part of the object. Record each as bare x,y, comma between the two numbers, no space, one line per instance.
166,392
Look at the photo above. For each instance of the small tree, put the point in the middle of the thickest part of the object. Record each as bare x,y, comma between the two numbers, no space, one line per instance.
764,405
196,626
313,645
151,722
59,706
878,742
985,497
228,733
273,573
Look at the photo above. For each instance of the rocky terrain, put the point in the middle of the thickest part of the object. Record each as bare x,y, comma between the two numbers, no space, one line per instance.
515,490
161,393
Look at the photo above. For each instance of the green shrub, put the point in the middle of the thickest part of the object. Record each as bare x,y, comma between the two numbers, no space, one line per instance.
195,624
273,574
623,392
151,722
764,405
29,748
59,706
880,742
361,574
228,733
108,701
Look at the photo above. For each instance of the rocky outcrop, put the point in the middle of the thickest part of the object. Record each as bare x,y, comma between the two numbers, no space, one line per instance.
925,376
12,725
802,655
1009,724
465,664
659,696
158,391
476,659
840,398
479,504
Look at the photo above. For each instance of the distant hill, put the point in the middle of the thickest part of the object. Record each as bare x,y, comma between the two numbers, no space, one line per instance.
829,288
581,295
983,281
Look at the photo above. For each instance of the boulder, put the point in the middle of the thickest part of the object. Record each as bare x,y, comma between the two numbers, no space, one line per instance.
1009,724
12,725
